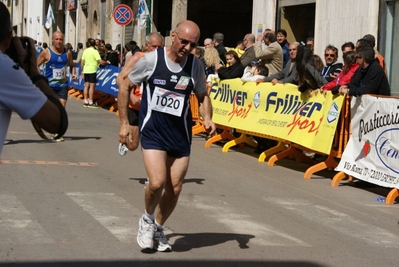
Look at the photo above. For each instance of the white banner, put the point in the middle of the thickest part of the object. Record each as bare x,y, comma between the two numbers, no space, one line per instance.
142,14
372,153
49,18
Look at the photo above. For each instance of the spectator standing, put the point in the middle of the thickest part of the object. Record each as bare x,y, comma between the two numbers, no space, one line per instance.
111,56
79,53
272,55
282,40
91,59
218,38
249,54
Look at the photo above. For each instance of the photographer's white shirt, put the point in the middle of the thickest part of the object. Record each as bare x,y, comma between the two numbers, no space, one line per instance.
17,93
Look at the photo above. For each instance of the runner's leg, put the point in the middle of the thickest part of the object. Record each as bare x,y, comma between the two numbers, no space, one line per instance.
177,169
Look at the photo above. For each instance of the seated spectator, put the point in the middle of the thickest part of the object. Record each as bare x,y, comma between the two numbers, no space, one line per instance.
288,74
282,40
310,43
252,74
308,76
208,43
348,70
332,68
369,40
235,68
211,58
318,63
240,48
199,53
369,78
348,46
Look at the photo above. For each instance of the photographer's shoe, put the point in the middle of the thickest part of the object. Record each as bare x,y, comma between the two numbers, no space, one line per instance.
55,139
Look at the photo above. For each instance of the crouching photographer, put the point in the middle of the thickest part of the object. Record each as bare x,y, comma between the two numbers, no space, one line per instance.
23,89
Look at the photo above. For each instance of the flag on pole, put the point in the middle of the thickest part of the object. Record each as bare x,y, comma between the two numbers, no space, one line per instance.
49,18
142,14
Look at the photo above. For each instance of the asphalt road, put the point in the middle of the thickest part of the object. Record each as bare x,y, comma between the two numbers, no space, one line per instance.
77,203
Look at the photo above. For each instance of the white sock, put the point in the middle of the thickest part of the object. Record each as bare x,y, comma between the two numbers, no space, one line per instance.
149,217
159,226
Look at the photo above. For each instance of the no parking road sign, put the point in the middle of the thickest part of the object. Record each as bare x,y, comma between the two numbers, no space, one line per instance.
123,15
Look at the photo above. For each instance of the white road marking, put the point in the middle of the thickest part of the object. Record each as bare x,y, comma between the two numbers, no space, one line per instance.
17,225
240,223
338,221
112,212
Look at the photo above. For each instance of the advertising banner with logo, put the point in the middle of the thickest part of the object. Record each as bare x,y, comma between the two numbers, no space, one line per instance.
372,153
277,110
106,79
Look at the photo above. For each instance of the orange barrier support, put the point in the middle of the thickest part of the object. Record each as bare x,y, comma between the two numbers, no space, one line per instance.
194,106
393,194
225,134
341,138
72,92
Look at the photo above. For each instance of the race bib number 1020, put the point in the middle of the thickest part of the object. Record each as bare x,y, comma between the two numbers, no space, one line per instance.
166,101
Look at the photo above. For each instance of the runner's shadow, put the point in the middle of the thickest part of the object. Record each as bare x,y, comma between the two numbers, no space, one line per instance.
186,242
192,180
32,141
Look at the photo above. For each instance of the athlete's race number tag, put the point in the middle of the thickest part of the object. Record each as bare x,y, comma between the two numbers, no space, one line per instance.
59,74
167,101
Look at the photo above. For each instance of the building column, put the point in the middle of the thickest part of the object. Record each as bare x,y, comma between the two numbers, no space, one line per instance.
179,13
263,15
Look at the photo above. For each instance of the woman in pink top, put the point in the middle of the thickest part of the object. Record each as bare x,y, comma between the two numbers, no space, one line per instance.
345,76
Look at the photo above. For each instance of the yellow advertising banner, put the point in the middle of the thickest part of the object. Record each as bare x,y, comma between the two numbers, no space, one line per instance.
280,111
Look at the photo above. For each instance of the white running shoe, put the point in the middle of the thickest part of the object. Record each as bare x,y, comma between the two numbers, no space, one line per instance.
55,139
161,241
122,149
145,235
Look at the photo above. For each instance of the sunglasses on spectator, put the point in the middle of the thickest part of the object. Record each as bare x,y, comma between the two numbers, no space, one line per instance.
185,42
329,55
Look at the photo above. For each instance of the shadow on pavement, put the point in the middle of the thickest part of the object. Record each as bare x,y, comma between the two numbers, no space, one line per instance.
188,241
187,180
174,263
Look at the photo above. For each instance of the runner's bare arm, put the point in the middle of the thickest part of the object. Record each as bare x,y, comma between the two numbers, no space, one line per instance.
127,69
123,101
43,57
206,112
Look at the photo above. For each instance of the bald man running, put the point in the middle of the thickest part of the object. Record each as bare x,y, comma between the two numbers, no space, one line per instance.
169,76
